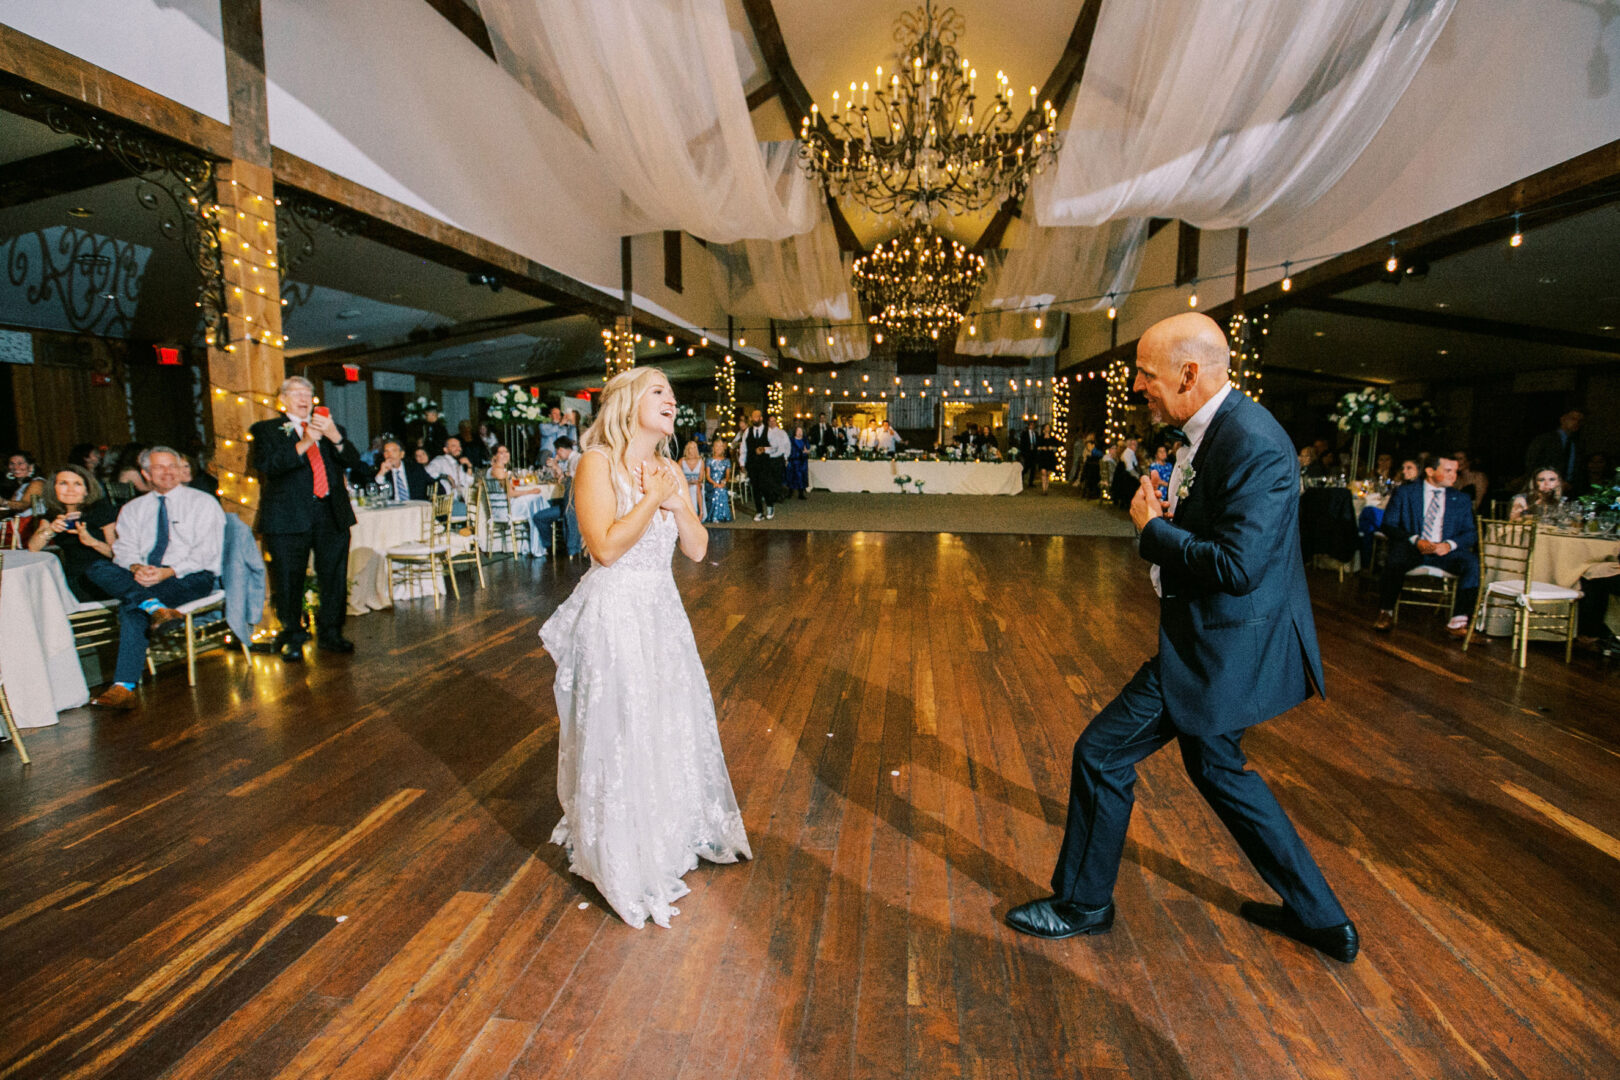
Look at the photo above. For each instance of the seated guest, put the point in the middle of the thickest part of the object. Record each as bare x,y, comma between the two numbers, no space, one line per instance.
86,456
1543,494
1591,621
22,484
404,480
167,552
1470,481
489,439
1307,462
373,456
560,507
126,467
1384,469
1429,524
197,475
78,527
1409,472
453,468
471,446
1598,472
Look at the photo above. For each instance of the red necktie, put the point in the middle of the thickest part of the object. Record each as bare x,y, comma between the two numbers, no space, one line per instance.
318,466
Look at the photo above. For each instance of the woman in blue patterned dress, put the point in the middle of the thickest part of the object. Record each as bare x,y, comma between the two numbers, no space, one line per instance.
718,468
798,464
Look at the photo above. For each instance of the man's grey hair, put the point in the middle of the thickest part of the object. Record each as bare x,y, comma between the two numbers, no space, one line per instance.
296,380
1201,351
146,455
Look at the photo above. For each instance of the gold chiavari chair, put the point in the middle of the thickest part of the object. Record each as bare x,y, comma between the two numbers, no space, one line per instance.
425,558
1507,550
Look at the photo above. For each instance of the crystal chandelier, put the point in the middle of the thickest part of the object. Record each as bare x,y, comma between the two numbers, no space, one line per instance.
921,142
917,284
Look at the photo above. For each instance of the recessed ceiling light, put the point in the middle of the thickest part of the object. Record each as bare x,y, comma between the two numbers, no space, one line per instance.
1445,352
1548,280
80,211
1605,328
1441,304
351,313
1320,333
353,336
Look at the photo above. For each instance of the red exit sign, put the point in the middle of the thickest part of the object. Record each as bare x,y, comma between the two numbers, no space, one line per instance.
167,355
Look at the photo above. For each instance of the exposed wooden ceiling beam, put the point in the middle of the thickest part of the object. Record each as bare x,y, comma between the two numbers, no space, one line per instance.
1464,324
761,94
468,21
365,355
1066,75
794,97
57,172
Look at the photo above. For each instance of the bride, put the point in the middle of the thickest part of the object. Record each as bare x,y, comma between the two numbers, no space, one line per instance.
640,771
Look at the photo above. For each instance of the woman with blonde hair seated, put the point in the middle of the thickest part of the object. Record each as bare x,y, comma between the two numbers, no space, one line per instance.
640,771
1543,493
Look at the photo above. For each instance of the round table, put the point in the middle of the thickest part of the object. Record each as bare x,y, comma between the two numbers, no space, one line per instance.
938,477
1561,558
38,661
376,529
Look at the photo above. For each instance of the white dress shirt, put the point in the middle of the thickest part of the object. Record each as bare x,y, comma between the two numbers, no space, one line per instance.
399,487
885,441
781,444
196,531
445,467
1195,428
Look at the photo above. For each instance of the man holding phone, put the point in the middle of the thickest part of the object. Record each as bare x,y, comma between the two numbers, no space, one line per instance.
301,458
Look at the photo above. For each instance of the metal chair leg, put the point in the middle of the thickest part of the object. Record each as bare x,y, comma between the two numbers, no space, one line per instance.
11,727
191,654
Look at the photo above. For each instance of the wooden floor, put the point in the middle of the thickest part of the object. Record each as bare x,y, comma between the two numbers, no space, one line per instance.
341,870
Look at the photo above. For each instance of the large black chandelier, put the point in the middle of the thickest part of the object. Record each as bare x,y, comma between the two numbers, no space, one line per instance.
917,284
921,141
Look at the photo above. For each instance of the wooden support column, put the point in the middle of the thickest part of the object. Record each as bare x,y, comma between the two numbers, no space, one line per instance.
246,363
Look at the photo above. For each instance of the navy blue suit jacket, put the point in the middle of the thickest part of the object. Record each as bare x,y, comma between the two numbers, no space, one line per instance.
1403,517
1237,641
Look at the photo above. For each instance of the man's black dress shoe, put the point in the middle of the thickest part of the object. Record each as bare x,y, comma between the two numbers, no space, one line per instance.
292,652
1053,918
1339,942
334,644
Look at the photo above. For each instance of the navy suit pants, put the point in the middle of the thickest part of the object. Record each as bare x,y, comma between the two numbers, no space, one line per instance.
133,623
1128,730
1402,556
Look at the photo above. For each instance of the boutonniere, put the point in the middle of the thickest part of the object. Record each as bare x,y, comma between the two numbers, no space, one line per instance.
289,428
1185,487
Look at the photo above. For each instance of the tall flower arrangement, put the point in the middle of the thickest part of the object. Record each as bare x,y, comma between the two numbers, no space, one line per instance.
514,408
418,407
1368,411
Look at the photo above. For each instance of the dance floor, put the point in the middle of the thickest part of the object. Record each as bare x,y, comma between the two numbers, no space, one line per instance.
343,870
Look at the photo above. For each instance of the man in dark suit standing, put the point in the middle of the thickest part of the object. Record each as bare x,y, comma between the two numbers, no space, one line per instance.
1430,524
1237,645
302,458
1559,449
1029,441
822,435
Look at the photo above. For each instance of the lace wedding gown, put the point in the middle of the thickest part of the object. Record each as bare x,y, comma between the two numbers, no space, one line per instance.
640,771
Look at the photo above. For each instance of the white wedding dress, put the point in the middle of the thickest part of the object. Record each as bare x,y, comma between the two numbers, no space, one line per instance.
640,771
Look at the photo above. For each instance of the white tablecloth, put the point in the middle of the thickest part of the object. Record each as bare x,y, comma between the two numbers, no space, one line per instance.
938,477
1559,559
38,663
375,531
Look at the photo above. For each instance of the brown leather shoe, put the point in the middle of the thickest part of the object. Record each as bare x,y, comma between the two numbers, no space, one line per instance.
115,697
1461,632
162,615
1384,623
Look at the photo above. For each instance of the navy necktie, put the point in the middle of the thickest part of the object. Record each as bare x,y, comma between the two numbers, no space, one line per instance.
161,545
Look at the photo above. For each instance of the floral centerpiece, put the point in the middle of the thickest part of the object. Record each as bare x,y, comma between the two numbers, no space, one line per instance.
901,482
512,407
418,407
1369,411
1603,501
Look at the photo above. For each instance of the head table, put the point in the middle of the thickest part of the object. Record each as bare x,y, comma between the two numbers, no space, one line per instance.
938,477
38,662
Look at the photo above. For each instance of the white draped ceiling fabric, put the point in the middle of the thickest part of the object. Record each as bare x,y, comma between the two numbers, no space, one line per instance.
804,281
1053,266
1203,110
1215,112
655,88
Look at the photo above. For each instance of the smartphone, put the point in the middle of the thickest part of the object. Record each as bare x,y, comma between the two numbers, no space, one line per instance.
322,410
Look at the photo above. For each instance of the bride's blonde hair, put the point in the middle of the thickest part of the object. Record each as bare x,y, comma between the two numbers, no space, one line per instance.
615,423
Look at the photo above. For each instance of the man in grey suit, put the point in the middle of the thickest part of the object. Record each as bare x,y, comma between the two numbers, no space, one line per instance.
1237,645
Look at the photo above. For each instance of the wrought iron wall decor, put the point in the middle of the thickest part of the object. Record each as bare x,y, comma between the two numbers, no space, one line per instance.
299,220
173,181
95,280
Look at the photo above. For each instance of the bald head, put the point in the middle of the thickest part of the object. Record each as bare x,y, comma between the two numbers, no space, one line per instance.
1181,362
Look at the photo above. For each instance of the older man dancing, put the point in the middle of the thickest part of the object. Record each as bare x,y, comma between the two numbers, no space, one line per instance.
1237,645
